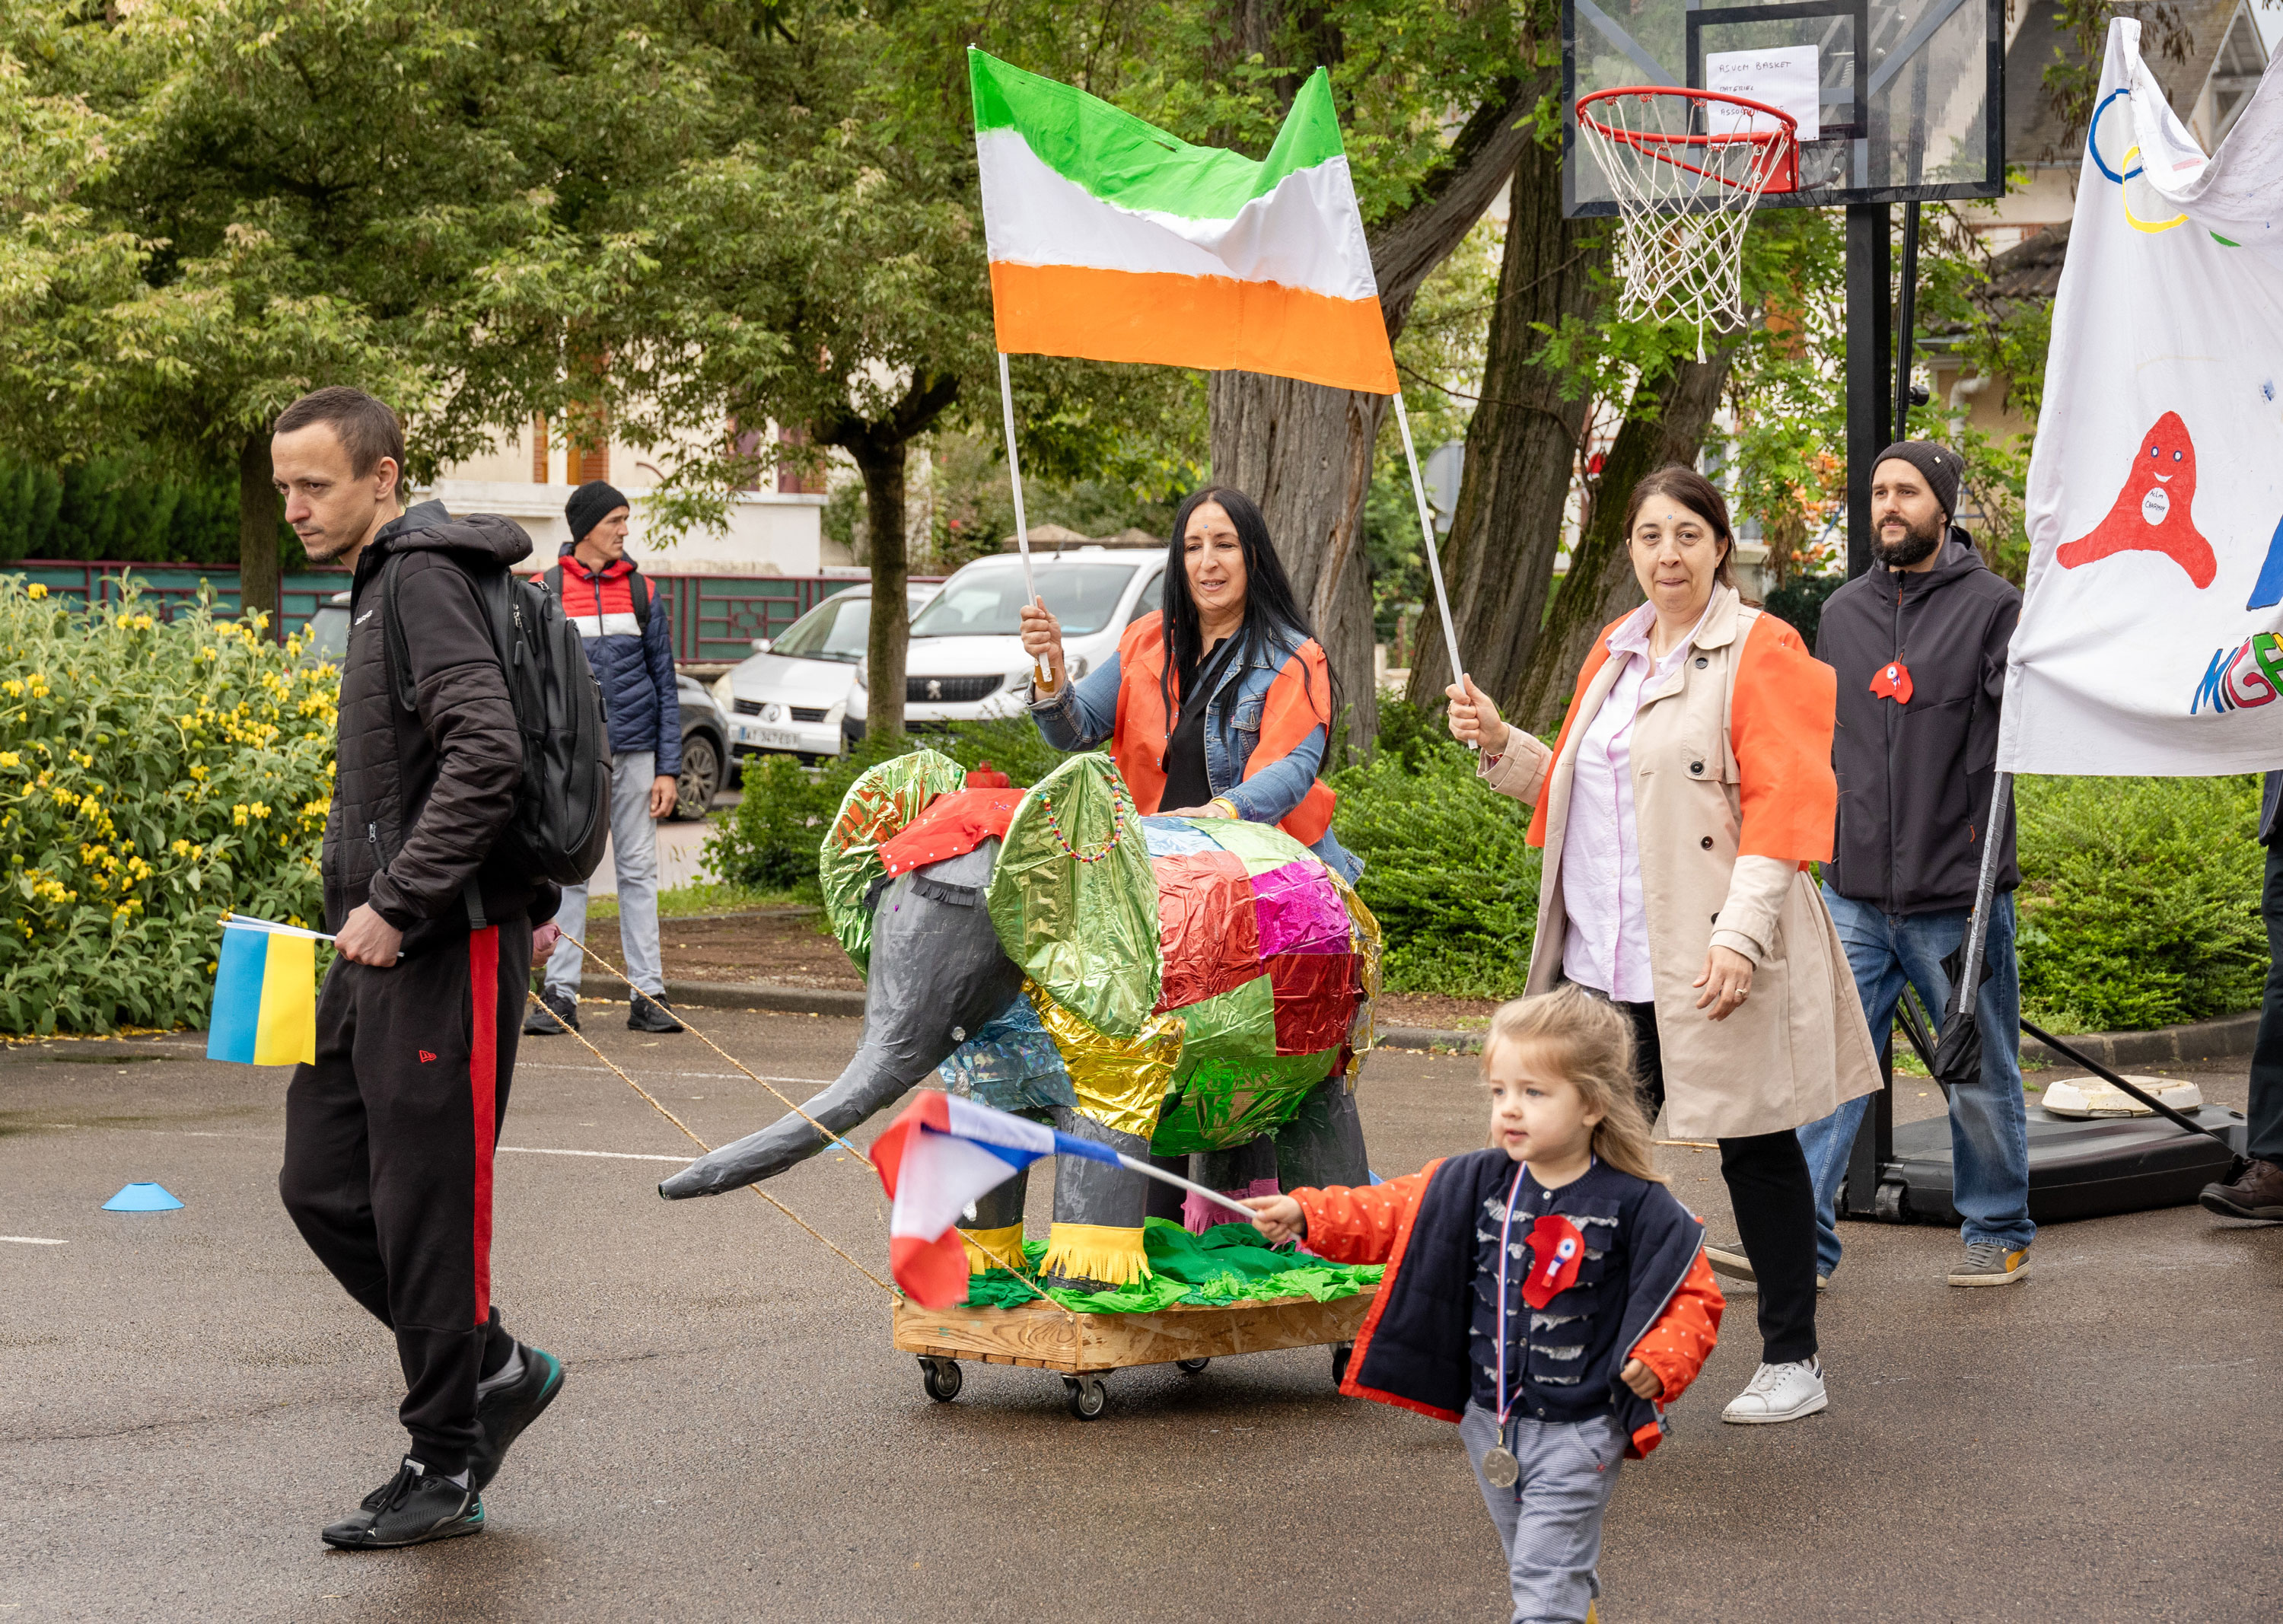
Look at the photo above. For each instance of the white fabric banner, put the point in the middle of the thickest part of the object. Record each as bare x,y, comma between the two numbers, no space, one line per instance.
2149,636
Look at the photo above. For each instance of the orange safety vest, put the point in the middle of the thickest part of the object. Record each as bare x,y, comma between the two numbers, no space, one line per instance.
1297,703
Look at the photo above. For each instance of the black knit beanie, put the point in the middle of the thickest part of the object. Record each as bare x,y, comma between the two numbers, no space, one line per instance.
597,499
1938,462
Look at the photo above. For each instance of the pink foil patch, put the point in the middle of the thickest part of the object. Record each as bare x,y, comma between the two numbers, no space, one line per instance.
1199,1214
1300,910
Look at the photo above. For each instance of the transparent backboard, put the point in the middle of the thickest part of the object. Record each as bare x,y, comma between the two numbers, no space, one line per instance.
1894,99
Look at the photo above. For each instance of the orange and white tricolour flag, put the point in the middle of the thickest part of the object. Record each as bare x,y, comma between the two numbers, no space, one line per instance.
1111,240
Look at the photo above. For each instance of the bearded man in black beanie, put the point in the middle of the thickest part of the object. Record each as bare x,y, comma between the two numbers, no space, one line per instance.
1919,642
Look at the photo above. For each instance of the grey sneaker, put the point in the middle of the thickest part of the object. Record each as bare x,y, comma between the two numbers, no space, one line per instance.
1991,1262
554,1014
1727,1258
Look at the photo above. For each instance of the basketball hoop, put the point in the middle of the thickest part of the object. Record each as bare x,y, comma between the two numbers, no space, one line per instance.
1687,169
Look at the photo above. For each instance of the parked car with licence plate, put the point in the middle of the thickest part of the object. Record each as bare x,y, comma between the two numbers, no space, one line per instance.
967,661
791,695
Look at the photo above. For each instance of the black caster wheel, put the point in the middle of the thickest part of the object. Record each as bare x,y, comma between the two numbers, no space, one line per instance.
1340,1352
1891,1209
941,1378
1193,1365
1087,1396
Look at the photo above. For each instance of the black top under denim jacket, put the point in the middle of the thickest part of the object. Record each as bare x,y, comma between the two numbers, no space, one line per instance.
1433,1341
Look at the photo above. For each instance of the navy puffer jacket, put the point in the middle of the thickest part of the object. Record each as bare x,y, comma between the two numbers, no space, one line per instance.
634,667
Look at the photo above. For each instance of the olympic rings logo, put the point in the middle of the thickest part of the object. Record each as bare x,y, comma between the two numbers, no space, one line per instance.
2125,170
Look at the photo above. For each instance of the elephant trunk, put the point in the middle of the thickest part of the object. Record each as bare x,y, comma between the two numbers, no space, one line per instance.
880,1072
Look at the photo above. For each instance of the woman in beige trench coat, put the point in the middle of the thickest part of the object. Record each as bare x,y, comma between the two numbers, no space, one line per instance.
1689,791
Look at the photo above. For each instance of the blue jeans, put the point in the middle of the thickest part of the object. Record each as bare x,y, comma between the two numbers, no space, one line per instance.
1988,1125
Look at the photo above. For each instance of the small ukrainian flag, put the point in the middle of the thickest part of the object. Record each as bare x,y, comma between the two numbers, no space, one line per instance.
265,1001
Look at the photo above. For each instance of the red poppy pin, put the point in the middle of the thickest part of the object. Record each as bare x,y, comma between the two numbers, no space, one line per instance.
1556,1249
1893,681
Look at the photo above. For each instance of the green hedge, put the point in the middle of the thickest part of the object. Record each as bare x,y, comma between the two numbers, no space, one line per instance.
2139,903
2140,899
151,775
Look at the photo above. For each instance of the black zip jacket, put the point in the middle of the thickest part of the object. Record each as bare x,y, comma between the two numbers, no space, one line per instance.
1915,779
420,795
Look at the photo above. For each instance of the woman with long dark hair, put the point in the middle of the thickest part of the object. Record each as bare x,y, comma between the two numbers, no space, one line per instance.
1222,704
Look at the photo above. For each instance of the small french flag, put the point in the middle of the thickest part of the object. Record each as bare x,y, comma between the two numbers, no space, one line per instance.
935,1159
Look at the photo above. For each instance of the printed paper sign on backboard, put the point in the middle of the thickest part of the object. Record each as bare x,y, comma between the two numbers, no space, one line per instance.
1785,79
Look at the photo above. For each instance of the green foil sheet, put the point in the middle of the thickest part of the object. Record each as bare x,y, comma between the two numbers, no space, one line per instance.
1238,1025
876,808
1074,898
1229,1264
1262,845
1218,1104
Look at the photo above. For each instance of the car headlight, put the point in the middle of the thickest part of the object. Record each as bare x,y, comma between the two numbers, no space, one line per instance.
724,695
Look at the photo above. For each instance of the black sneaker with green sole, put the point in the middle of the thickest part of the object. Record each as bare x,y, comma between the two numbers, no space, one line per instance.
412,1508
504,1411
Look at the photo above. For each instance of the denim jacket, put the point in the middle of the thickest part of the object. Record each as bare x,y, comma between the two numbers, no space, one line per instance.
1081,716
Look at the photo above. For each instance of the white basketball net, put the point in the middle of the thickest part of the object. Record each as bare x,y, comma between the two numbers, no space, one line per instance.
1687,173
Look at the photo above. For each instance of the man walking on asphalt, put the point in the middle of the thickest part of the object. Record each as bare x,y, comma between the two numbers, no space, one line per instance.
389,1133
630,648
2255,1184
1919,642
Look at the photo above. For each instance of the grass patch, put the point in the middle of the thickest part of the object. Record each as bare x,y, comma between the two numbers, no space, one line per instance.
701,897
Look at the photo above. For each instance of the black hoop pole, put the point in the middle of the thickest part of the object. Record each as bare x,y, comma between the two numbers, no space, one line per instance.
1905,315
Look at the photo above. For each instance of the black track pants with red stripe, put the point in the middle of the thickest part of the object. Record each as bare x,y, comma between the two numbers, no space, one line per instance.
388,1159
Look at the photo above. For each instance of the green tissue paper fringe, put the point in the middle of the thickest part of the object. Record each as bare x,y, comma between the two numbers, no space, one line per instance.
1227,1264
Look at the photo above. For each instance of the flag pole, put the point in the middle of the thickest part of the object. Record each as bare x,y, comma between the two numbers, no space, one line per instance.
1427,534
1015,472
1134,1164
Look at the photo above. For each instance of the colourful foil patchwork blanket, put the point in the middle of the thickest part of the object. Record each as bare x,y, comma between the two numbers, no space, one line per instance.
1187,979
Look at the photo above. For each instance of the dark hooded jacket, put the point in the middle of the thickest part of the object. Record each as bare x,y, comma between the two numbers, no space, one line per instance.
1915,777
420,795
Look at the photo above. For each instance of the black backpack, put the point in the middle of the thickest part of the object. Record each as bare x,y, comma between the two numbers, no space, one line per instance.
561,820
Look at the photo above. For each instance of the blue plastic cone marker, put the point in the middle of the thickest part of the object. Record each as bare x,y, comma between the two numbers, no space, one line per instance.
141,1198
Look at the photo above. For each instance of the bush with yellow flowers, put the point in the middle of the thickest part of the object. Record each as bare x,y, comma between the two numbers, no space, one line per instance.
152,776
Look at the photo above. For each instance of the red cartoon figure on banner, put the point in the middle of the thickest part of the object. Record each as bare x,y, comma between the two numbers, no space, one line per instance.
1556,1251
2152,512
1893,681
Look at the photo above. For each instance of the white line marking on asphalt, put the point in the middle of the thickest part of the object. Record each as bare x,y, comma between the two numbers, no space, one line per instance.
533,1149
604,1071
34,1240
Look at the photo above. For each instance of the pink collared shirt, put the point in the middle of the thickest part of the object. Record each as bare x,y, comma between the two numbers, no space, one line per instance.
1605,945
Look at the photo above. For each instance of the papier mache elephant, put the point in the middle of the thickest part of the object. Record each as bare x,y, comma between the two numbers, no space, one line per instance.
1176,988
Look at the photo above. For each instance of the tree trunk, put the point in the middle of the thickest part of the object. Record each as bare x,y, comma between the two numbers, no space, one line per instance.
1303,453
881,461
1497,563
259,584
1667,425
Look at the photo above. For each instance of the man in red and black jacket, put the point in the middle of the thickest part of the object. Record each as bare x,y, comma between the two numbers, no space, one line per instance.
630,649
390,1132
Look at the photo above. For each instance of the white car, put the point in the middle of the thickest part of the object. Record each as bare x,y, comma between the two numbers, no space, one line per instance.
967,663
792,693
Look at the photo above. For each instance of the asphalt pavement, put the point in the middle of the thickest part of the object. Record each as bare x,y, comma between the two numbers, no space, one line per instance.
186,1397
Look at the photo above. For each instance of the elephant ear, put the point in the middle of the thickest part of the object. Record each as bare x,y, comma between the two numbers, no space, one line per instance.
1074,898
875,810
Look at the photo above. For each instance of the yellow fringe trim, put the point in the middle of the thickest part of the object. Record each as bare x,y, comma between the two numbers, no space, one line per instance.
1099,1252
1000,1248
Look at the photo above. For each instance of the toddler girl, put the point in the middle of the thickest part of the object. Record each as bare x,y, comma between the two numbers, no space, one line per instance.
1548,1294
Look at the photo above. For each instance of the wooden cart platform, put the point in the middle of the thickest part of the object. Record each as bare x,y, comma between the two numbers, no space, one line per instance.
1084,1347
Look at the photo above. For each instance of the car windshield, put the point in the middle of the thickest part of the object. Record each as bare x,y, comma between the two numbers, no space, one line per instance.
329,634
987,600
834,630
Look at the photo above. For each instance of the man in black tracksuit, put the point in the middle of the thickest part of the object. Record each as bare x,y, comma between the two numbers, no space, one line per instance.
389,1134
1919,642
